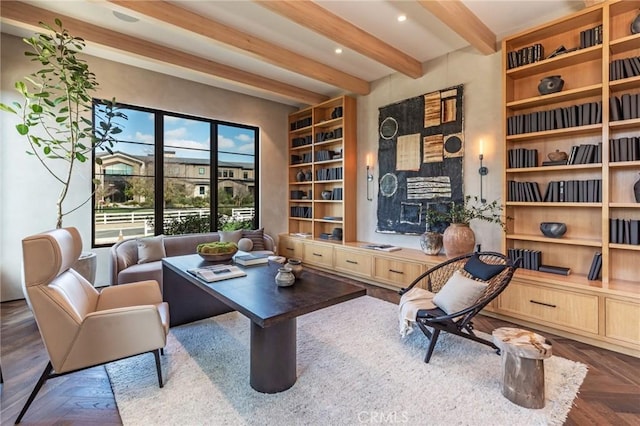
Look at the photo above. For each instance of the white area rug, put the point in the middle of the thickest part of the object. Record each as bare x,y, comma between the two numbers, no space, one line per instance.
353,368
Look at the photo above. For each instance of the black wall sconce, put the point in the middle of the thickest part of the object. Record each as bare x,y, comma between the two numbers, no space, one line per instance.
369,179
483,171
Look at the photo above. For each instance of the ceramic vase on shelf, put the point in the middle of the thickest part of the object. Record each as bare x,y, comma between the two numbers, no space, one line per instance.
431,243
636,191
300,176
550,84
458,239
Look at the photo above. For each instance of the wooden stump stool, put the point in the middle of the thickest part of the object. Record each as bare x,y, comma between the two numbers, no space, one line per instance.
522,355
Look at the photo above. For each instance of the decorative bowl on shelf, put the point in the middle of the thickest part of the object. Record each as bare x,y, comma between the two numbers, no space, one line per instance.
553,229
217,251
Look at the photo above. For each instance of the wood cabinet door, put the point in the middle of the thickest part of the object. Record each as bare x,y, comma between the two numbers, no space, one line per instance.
352,262
622,320
396,272
318,254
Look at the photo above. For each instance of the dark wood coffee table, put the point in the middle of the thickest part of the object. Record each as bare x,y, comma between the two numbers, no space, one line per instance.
273,310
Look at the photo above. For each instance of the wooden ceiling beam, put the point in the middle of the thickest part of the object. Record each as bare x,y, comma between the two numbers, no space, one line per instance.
274,54
24,14
316,18
460,19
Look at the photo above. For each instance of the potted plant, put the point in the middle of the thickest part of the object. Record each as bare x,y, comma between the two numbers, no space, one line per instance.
458,237
55,116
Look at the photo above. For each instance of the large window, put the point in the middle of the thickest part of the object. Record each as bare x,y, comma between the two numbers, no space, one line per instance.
175,174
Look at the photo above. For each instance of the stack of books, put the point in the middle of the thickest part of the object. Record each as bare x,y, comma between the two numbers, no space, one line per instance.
251,259
217,272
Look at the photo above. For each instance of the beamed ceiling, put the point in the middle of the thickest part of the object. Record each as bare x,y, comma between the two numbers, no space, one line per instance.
285,50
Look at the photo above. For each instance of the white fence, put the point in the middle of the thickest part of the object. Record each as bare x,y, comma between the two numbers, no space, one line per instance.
244,213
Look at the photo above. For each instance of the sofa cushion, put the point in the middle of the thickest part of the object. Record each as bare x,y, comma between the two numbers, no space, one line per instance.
245,244
231,236
142,272
481,270
180,245
150,249
257,236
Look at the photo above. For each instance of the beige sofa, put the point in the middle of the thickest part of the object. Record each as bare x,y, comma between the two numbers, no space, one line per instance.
124,256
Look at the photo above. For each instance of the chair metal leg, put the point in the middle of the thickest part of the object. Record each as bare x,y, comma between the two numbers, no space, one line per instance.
432,344
43,378
156,354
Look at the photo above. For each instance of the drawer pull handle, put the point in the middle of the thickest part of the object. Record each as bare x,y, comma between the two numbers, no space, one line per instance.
396,272
543,304
317,254
352,261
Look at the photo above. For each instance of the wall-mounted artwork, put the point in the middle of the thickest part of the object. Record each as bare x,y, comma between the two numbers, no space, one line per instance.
420,156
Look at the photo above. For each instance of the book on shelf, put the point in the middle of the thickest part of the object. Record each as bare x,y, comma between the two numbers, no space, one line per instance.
382,247
560,270
251,259
217,272
301,234
596,266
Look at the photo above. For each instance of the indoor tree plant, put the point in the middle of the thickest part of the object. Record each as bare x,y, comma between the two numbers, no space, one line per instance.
55,115
458,237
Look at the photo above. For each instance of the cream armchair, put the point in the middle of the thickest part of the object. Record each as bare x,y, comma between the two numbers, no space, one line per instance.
81,327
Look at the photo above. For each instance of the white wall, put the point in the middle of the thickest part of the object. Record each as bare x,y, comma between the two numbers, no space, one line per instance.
28,194
480,76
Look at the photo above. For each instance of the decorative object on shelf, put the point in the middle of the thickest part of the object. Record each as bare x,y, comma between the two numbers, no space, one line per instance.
308,175
483,171
553,229
636,190
300,176
458,239
285,277
431,243
557,155
337,234
550,84
369,179
559,51
326,195
296,267
635,25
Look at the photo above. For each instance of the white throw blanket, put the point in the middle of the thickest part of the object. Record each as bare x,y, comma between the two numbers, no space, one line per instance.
410,302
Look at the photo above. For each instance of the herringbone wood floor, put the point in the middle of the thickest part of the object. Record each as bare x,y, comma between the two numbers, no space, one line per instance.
610,394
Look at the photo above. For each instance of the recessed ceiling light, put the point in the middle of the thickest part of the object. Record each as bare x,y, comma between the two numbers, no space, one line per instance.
402,18
123,17
338,50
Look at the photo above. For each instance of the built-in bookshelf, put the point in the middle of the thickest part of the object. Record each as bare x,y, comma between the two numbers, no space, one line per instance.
322,153
595,120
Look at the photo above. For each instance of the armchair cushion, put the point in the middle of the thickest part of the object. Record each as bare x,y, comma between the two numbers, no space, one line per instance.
481,270
459,293
151,249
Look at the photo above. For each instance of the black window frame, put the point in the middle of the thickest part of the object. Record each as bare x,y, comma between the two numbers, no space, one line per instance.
159,115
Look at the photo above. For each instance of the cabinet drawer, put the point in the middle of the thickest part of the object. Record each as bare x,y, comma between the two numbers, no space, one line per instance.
320,255
352,262
396,272
557,307
622,320
290,248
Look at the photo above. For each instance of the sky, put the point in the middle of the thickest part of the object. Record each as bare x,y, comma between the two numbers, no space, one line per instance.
188,138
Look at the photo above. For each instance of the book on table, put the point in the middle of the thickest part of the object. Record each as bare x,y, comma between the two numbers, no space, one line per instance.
217,272
251,259
382,247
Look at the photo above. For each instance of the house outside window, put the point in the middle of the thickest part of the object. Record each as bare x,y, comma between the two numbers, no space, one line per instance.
159,173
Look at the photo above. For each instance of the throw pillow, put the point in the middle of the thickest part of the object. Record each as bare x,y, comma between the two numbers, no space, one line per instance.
151,249
459,293
481,270
257,237
245,244
230,236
